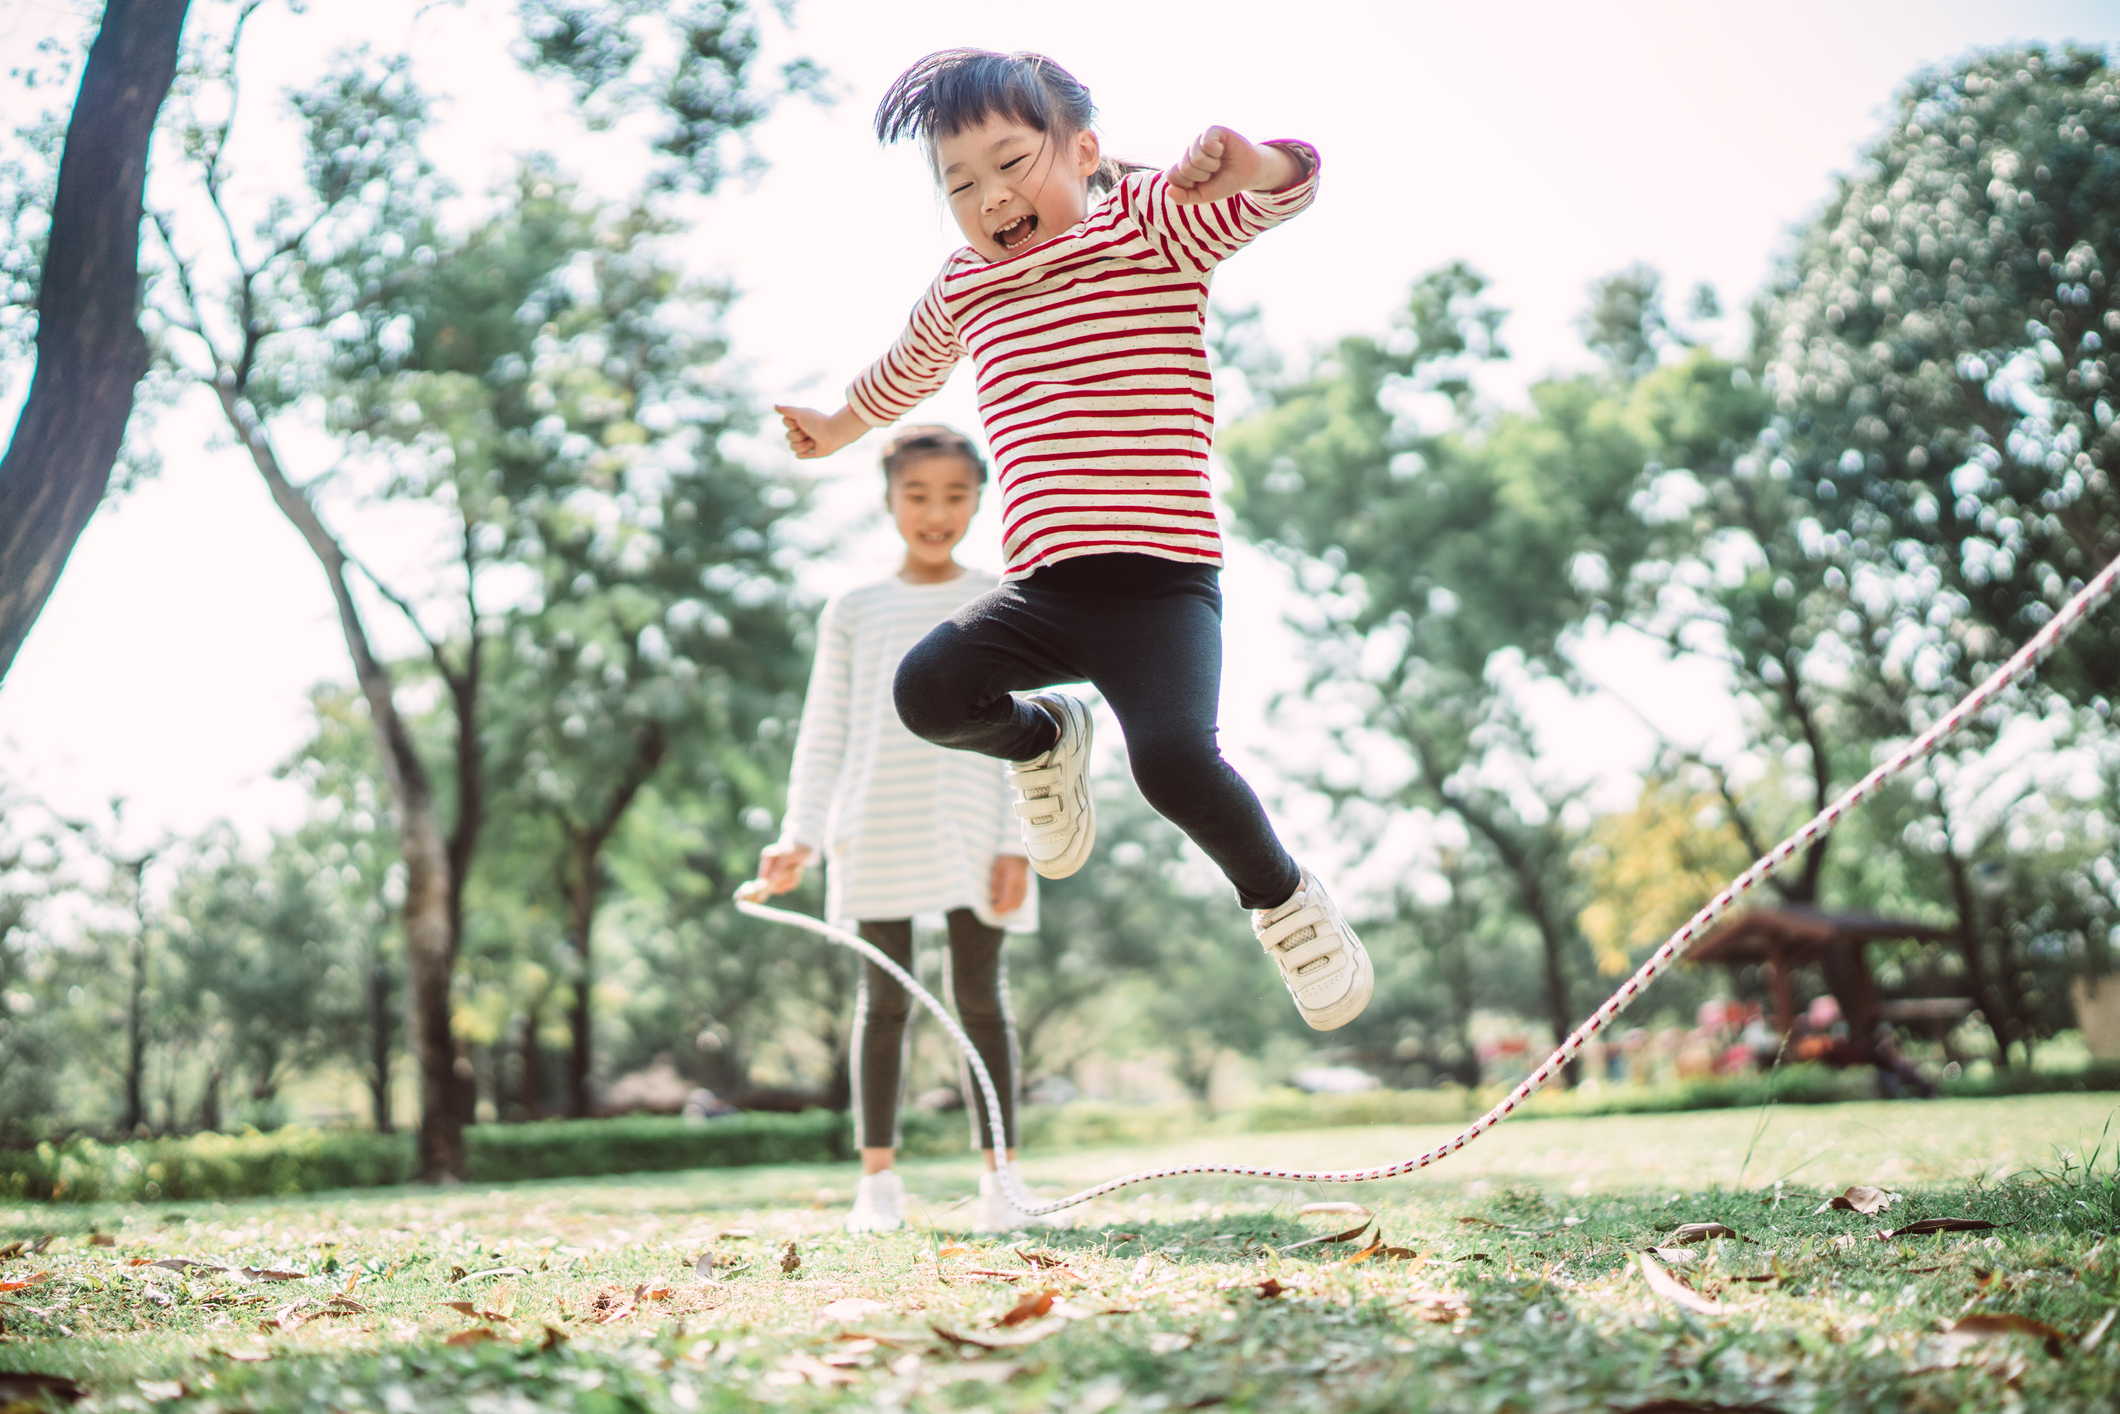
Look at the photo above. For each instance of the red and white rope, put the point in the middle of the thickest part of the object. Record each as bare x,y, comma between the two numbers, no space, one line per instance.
1816,828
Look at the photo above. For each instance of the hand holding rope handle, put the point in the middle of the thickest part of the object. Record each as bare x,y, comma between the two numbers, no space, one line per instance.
750,898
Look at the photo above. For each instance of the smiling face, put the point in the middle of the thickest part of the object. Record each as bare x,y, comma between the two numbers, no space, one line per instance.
933,500
1011,186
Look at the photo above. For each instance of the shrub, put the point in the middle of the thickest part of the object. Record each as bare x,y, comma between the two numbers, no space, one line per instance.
579,1148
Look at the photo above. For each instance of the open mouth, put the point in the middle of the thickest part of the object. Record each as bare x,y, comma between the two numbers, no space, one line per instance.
1017,232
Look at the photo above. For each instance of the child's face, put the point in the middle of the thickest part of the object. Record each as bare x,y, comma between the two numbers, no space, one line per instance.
933,501
1012,186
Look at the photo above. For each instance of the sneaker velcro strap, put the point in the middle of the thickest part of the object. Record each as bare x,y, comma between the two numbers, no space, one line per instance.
1282,929
1035,778
1305,953
1044,808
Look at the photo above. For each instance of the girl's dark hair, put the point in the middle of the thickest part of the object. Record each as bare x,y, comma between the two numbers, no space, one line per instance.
956,89
917,443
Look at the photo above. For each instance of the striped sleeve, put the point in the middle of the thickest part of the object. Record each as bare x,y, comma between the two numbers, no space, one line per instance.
915,368
1203,235
821,740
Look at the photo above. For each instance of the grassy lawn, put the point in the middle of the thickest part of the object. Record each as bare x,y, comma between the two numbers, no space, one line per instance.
1510,1278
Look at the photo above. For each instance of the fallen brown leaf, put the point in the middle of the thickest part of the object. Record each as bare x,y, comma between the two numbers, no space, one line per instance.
790,1259
177,1264
1367,1252
466,1308
1928,1225
1270,1288
23,1283
477,1335
997,1340
659,1293
1677,1292
554,1339
1348,1236
1399,1254
1700,1232
1033,1305
953,1249
10,1250
1480,1222
1039,1258
1121,1237
101,1239
271,1274
1860,1199
1986,1324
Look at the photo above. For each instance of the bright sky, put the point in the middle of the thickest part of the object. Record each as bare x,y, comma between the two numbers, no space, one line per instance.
1547,143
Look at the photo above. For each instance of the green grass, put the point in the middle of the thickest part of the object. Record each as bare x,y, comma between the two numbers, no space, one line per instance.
1538,1304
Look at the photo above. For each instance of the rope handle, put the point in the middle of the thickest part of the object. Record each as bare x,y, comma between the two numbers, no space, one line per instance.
750,899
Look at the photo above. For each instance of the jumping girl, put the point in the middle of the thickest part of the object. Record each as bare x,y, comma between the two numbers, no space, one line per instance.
1084,324
908,828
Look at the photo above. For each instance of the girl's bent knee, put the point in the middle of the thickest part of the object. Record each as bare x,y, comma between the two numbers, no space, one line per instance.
922,693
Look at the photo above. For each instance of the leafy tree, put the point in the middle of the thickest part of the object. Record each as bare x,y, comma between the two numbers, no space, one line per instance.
256,323
1443,557
1941,347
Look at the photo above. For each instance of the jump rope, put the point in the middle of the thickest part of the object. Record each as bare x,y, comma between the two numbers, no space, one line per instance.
2021,663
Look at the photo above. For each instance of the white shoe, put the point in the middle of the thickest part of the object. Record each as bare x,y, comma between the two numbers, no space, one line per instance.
879,1204
1325,966
1052,792
998,1213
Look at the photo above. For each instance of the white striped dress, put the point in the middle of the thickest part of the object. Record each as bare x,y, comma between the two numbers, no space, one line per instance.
906,828
1093,378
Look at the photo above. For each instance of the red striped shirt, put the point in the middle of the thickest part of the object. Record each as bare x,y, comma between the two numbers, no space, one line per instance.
1092,372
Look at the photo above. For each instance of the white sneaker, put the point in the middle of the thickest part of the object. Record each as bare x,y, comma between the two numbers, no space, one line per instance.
1325,966
1052,792
997,1212
879,1203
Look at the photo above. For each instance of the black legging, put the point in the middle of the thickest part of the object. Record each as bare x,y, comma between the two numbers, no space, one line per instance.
979,979
1146,633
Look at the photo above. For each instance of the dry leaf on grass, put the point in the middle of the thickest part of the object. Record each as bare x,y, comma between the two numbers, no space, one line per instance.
953,1249
175,1264
468,1309
1480,1222
790,1259
1860,1199
853,1308
10,1250
554,1339
997,1340
1702,1232
23,1283
1270,1288
101,1239
1671,1289
271,1274
1929,1225
1351,1210
1367,1252
477,1335
1348,1236
1039,1258
1033,1305
1988,1324
1121,1238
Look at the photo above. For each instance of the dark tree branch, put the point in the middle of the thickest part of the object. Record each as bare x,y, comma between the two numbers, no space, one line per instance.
90,351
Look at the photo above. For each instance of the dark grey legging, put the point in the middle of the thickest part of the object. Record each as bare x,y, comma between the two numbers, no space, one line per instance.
1145,632
979,980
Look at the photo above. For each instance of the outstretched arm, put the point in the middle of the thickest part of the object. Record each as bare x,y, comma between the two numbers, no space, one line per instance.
814,434
1222,162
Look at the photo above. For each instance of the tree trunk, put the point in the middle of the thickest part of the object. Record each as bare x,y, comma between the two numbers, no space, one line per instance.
379,1046
136,1038
533,1061
1968,935
582,890
90,351
430,943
